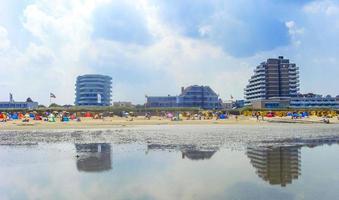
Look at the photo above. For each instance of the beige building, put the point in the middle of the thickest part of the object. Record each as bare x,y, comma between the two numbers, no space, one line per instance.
271,103
123,104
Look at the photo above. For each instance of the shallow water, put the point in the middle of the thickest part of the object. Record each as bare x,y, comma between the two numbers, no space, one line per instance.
172,162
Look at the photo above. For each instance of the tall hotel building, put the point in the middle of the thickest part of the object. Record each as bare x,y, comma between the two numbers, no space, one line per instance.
93,90
273,83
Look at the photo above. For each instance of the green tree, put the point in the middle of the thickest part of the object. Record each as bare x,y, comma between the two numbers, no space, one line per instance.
54,105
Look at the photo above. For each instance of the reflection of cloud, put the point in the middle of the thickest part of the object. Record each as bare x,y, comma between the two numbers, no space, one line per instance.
245,191
159,175
94,157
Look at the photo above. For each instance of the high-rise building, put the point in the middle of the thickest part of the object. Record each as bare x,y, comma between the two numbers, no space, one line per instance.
93,90
276,78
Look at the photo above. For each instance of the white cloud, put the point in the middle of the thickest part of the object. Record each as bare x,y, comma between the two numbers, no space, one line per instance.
327,7
174,61
4,42
62,31
295,32
62,46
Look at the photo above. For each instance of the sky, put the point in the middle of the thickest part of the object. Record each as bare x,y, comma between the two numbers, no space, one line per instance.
154,47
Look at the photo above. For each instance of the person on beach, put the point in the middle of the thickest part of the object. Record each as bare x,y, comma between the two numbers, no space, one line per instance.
257,115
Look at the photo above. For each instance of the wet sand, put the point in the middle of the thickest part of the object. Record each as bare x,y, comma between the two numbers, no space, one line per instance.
88,123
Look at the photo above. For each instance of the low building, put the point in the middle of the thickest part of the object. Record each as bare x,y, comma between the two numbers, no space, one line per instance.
272,103
227,105
311,100
308,100
191,97
123,104
239,103
11,104
162,101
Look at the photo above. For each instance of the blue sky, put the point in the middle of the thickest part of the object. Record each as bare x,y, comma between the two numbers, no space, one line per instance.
155,47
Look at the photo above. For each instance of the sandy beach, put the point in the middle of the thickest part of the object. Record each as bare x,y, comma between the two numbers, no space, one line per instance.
89,123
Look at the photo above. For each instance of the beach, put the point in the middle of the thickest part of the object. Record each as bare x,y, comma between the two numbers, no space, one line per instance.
111,122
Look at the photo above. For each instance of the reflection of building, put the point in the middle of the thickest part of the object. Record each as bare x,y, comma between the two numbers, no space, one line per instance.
187,151
93,90
193,96
197,154
276,165
93,157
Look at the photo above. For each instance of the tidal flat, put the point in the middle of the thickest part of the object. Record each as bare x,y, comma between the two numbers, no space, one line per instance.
275,161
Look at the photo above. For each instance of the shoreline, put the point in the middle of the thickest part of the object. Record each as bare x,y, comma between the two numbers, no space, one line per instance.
88,123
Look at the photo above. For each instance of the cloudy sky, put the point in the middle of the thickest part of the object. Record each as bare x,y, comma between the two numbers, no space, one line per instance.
156,46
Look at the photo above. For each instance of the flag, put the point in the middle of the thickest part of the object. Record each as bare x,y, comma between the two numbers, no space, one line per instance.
51,95
11,97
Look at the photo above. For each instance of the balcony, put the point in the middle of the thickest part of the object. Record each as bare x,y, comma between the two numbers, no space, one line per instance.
255,93
294,84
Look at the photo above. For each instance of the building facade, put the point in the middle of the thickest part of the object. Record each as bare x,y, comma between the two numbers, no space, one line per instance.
191,97
162,101
18,105
311,100
11,104
227,104
126,104
239,103
276,79
93,90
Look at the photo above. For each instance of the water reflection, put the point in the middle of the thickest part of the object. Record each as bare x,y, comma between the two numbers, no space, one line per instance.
278,162
191,152
197,154
276,165
94,157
